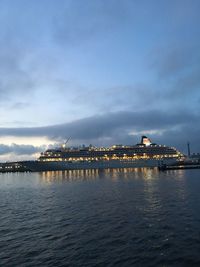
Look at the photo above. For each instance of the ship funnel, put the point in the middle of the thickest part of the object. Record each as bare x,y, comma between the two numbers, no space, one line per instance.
145,141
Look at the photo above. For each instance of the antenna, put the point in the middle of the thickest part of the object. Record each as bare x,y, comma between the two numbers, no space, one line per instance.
188,147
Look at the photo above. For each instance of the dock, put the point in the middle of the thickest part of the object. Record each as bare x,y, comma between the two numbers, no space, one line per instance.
179,167
12,167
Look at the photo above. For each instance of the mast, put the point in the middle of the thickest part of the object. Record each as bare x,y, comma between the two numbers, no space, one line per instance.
65,143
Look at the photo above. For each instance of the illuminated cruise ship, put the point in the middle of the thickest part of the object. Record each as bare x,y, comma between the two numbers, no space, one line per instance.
144,154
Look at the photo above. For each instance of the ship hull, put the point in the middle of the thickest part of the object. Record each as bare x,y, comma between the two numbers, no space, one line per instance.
37,166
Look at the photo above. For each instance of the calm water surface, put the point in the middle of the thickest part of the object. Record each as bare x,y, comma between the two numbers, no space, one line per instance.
130,217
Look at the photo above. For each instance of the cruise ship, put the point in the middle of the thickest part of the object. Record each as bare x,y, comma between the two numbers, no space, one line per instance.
144,154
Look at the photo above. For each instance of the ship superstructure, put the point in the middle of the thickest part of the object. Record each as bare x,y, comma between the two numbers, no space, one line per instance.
144,154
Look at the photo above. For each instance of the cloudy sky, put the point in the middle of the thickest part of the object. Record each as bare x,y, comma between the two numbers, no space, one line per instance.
100,72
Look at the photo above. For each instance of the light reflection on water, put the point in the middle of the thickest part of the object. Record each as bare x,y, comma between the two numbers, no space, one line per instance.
92,174
150,178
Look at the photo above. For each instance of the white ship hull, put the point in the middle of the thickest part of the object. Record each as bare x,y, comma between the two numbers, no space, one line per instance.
37,166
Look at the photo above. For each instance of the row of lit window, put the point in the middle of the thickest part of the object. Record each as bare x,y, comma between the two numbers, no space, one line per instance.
10,167
110,158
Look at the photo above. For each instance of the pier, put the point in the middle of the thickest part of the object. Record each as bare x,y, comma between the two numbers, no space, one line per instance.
12,167
178,167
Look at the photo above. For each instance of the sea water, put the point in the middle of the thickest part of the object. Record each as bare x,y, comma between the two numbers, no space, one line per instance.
119,217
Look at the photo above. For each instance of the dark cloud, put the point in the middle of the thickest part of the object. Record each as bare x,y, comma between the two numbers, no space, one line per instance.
20,149
100,125
180,137
113,127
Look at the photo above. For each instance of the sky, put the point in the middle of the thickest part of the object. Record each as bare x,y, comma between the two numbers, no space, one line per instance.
99,72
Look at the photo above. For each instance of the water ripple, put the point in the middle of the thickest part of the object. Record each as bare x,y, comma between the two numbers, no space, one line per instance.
130,217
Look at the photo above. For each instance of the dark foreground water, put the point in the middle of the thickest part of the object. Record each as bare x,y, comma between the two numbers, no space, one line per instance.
124,217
